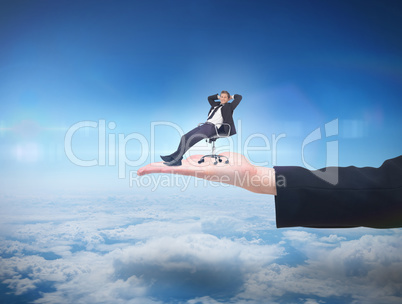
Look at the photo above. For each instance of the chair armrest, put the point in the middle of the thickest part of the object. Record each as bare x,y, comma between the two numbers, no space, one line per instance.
220,125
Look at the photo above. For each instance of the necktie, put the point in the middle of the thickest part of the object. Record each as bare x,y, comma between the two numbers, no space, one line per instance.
213,112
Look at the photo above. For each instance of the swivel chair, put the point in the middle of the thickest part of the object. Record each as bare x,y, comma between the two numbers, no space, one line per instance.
217,157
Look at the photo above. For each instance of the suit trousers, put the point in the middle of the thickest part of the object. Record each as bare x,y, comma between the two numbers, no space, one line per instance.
192,137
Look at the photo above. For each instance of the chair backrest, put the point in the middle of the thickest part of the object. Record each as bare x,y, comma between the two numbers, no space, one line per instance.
217,135
218,126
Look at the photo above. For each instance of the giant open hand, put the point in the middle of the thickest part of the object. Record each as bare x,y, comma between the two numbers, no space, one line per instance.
239,172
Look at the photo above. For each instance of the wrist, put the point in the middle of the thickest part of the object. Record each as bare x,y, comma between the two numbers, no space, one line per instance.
265,180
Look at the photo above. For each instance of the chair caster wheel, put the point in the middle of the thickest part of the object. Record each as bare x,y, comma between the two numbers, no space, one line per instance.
215,163
220,160
200,161
226,162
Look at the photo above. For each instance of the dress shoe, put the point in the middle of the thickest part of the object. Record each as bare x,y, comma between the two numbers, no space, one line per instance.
173,162
167,158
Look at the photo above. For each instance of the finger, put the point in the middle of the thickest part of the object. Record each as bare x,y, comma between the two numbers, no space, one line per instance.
182,170
150,168
189,167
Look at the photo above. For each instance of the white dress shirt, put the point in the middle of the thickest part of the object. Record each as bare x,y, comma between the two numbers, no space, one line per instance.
217,118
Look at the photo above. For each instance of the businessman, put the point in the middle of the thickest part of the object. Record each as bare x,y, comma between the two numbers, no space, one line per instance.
220,116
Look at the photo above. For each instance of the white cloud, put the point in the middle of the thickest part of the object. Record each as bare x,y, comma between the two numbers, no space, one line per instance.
203,300
367,270
196,261
312,301
202,263
146,250
21,285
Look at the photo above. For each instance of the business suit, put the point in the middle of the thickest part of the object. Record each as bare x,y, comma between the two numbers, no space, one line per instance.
208,130
369,197
227,112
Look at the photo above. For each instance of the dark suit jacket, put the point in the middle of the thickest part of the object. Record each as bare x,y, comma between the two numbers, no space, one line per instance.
227,112
369,197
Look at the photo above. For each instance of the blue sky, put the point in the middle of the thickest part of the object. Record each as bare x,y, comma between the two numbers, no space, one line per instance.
299,65
143,70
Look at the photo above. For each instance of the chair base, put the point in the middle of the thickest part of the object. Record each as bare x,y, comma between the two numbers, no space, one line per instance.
217,158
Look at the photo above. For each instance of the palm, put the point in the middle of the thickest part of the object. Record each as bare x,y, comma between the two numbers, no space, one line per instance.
239,172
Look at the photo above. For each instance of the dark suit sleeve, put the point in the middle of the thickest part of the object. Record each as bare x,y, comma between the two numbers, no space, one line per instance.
236,100
369,197
211,100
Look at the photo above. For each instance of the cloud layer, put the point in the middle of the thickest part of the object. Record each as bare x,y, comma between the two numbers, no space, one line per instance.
136,249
